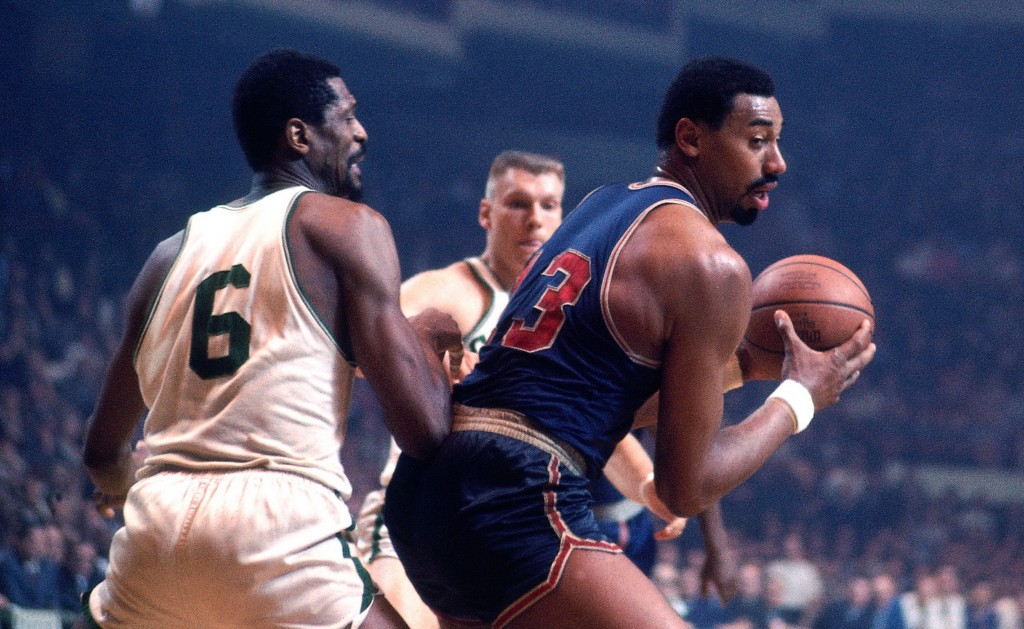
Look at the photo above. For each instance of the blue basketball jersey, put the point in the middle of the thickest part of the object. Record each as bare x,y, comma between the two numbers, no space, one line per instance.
555,356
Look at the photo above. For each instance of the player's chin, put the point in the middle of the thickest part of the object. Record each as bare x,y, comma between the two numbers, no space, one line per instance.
744,215
352,189
526,252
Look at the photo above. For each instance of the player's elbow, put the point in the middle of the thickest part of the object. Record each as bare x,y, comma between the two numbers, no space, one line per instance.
682,499
423,442
423,447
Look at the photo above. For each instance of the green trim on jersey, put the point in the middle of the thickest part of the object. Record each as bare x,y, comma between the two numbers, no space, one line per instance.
378,534
298,285
481,331
151,309
369,589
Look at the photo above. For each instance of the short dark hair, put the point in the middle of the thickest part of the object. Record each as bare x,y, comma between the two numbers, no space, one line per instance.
279,85
704,91
533,163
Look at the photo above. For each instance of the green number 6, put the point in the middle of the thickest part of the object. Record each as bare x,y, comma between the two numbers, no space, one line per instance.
206,324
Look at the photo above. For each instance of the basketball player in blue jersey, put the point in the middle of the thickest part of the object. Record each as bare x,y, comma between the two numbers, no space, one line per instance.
637,292
243,336
520,209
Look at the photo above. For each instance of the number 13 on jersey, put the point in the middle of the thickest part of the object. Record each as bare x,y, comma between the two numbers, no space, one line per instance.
575,268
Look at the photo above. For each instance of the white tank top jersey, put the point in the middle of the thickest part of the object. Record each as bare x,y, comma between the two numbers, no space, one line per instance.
236,369
477,337
474,339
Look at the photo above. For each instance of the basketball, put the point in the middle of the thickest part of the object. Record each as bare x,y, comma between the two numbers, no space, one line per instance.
825,300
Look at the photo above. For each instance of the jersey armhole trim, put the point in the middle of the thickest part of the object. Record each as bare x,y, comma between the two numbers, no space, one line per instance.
293,204
636,357
151,308
476,267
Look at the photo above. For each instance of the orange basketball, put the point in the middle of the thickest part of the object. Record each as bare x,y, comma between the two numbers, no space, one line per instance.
825,300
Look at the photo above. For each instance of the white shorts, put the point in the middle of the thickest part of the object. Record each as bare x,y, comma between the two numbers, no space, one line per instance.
372,538
239,549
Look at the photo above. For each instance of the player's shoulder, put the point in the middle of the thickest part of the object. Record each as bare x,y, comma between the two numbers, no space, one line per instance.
451,289
326,210
678,239
456,275
335,226
163,256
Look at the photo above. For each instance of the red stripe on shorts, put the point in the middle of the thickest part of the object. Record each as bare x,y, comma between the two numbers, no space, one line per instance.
568,543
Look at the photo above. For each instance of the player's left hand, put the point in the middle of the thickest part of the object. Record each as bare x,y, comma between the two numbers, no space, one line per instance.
671,530
721,569
675,524
469,361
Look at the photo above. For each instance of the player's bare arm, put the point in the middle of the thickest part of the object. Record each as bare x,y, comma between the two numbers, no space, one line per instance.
107,453
696,300
702,333
356,246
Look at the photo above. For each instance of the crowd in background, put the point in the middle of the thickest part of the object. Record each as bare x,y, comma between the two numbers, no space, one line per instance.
932,222
838,489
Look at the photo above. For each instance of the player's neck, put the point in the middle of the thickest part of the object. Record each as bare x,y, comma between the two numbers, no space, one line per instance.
505,277
670,170
280,177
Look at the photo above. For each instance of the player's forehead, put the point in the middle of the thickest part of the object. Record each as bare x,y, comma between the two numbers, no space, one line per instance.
751,110
346,101
514,180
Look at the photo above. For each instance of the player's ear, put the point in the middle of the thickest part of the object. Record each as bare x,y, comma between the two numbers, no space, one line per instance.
296,136
484,218
688,137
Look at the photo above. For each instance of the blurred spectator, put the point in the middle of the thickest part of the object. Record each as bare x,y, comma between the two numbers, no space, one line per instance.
665,575
981,613
80,571
703,612
921,608
1008,612
799,582
855,611
952,606
28,577
749,608
888,614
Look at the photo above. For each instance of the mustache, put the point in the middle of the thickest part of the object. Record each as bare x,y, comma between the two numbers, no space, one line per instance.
767,179
358,156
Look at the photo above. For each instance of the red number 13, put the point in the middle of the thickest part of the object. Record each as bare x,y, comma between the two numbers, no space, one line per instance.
551,304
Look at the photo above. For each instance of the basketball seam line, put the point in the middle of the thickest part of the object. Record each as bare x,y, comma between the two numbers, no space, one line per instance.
856,282
811,302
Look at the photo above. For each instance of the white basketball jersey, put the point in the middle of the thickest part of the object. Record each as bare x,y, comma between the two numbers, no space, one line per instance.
473,340
477,337
235,368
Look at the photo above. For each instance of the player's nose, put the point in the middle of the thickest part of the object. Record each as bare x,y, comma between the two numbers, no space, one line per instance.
775,164
533,217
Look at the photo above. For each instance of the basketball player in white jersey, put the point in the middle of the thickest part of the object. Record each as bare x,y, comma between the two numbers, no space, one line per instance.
521,208
242,339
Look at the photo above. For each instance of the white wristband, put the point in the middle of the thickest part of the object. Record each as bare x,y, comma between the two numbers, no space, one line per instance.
798,399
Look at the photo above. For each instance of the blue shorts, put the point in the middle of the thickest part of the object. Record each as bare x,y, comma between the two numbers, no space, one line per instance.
485,528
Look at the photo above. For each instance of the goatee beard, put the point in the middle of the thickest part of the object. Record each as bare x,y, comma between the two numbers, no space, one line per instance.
743,216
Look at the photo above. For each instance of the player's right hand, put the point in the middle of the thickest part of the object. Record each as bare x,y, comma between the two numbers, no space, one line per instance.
106,504
440,332
825,374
